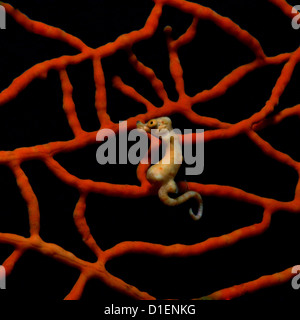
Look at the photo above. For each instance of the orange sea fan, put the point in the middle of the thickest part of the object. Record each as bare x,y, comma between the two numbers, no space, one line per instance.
66,221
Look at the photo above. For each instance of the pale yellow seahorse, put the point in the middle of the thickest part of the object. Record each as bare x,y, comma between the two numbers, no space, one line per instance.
162,173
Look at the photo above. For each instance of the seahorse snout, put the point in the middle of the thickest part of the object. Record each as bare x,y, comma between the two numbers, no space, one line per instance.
143,126
139,124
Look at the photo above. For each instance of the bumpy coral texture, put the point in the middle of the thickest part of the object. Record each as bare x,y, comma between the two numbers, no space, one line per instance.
218,130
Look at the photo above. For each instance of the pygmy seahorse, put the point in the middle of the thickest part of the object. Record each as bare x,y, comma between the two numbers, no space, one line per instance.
162,173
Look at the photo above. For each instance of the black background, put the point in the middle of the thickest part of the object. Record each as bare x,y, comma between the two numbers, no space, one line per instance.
36,117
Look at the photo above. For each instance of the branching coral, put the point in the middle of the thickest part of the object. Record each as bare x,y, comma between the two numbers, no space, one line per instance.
185,106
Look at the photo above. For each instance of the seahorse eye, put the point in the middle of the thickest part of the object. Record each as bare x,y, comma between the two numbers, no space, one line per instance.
152,123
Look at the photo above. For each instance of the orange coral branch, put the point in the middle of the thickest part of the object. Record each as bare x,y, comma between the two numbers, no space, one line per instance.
44,29
68,103
83,227
132,93
77,290
251,286
180,250
30,198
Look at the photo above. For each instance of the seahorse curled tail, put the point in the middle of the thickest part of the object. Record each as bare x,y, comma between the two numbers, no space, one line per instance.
171,187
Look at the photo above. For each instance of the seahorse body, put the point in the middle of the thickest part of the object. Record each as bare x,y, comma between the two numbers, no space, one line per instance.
163,172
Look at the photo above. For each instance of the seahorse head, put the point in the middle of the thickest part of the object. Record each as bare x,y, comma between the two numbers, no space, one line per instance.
161,124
